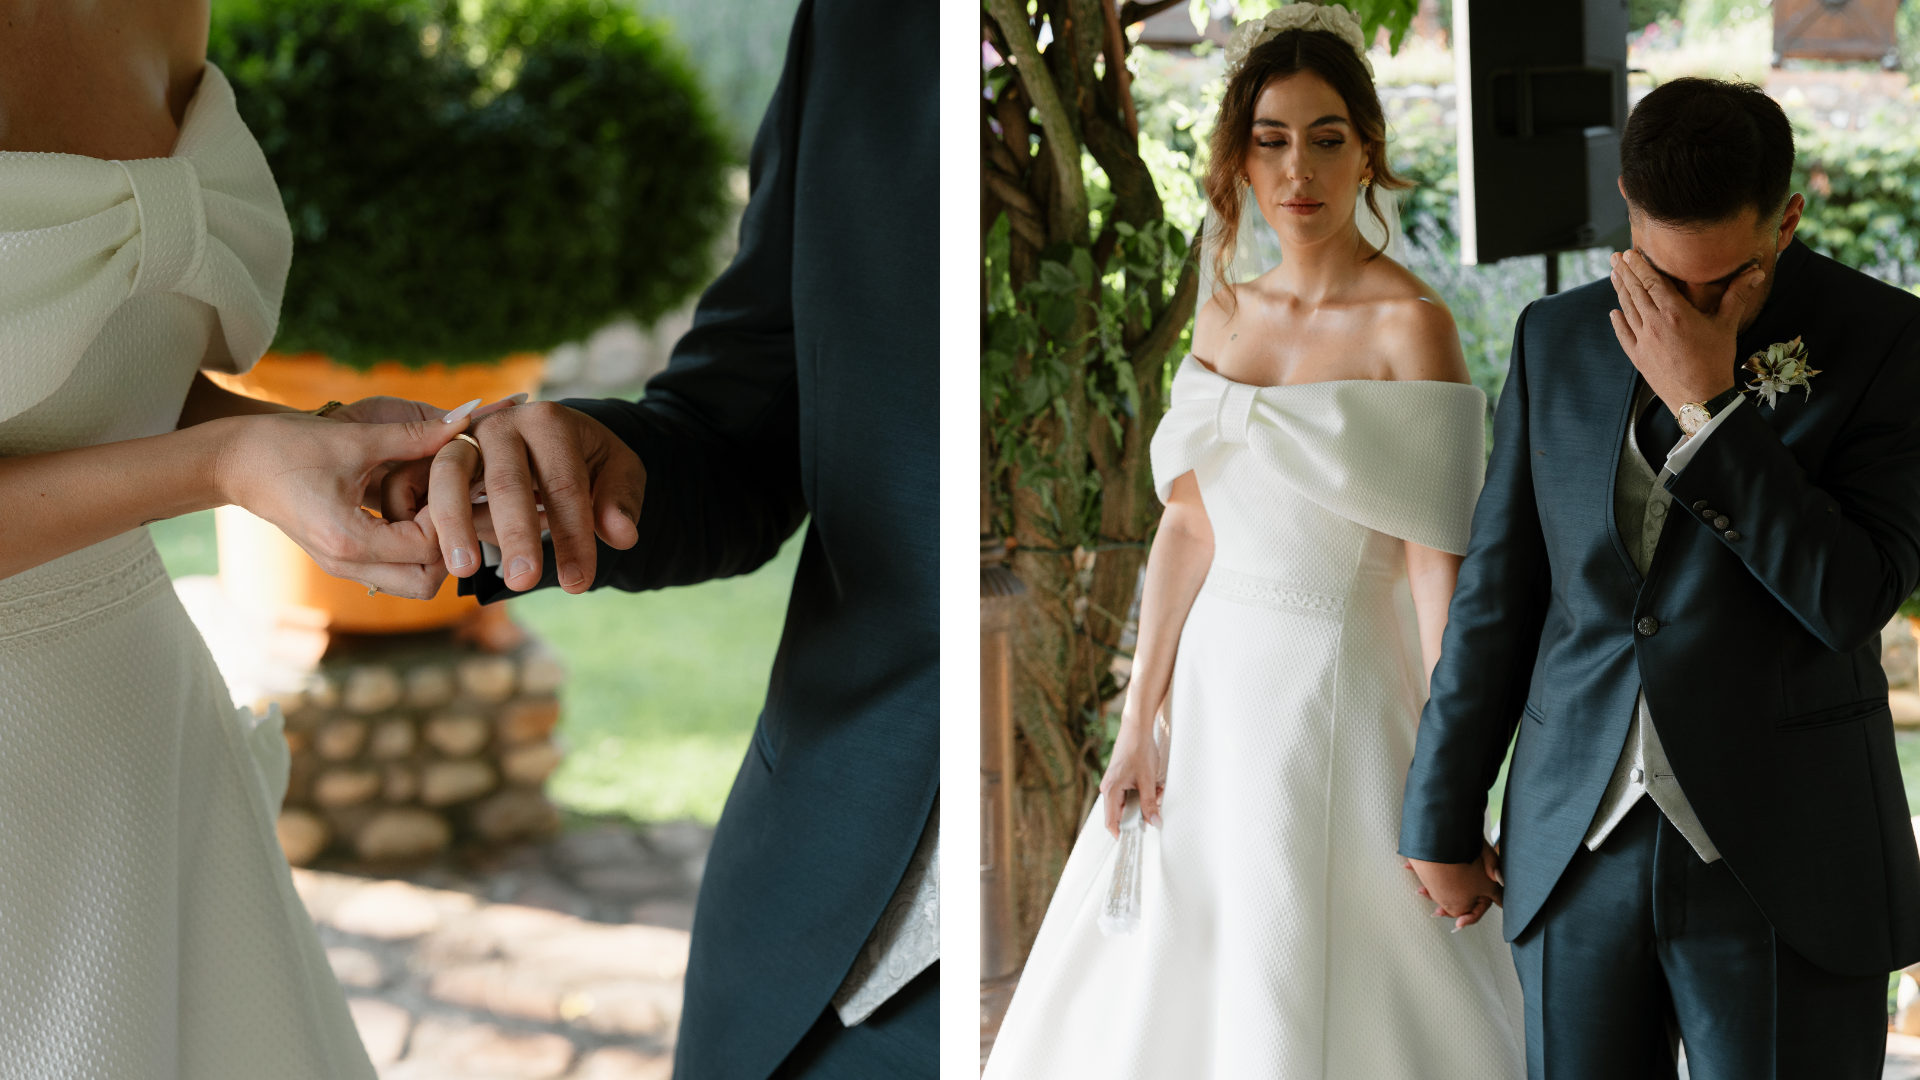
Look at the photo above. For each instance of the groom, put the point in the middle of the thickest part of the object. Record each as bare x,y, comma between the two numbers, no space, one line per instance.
1674,592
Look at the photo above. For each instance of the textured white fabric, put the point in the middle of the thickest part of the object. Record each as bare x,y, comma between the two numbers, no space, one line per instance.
1349,446
1280,936
149,929
80,236
906,940
1642,506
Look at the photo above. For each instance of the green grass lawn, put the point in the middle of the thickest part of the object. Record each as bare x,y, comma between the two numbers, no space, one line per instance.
663,688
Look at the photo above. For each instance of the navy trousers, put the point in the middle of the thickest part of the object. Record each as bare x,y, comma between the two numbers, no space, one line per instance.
1642,946
900,1041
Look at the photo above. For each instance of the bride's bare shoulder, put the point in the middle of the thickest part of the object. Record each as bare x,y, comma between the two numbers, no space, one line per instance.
1214,328
1412,325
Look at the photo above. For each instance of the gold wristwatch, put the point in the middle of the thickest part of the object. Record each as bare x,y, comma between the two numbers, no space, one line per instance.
1693,416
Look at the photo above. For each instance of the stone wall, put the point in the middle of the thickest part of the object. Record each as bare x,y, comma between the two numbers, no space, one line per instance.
400,753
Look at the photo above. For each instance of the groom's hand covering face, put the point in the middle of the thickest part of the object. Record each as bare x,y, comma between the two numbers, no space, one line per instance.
1686,290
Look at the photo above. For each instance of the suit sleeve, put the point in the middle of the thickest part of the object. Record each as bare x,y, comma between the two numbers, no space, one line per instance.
719,429
1841,554
1486,657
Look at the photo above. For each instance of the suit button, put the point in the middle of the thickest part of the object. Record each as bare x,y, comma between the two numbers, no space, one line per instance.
1701,505
1721,522
1648,626
1709,513
1731,535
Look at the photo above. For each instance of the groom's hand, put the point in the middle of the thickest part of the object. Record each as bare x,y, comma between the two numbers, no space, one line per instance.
1464,892
1685,354
545,466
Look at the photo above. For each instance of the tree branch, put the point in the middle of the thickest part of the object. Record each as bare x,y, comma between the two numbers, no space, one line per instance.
1045,95
1166,329
1010,109
1132,12
997,151
1135,199
1022,215
1119,83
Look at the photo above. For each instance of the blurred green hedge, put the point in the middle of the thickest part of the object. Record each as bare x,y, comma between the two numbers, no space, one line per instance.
469,179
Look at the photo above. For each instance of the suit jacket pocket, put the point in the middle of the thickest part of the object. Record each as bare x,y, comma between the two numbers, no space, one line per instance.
1841,714
1534,713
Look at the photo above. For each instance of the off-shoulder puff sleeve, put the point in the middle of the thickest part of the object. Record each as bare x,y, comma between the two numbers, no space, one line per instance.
1403,458
81,236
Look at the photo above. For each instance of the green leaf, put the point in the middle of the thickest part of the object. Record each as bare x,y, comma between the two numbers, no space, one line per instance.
1083,267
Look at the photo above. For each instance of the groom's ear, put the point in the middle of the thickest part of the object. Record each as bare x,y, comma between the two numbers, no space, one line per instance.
1789,221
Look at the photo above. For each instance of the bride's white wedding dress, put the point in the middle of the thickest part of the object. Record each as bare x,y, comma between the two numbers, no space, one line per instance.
148,924
1280,936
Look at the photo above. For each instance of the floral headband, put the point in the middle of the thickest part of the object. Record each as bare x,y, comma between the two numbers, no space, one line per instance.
1331,18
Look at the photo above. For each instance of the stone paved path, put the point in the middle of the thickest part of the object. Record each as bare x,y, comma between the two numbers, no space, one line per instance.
556,961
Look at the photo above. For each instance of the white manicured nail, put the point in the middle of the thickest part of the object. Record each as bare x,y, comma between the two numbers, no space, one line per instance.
460,413
518,399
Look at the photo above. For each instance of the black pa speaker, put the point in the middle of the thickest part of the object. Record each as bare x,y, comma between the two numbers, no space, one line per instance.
1542,90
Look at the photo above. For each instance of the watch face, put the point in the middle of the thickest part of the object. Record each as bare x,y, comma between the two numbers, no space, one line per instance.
1692,418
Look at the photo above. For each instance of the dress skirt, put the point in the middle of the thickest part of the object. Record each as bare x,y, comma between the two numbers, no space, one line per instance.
149,926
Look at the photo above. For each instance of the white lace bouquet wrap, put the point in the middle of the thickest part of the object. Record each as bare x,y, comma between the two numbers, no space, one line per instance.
1332,18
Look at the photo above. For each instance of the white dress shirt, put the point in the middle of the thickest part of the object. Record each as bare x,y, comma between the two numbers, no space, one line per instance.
1641,499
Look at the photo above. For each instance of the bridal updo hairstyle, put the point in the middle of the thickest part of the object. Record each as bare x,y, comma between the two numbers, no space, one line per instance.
1286,54
1698,151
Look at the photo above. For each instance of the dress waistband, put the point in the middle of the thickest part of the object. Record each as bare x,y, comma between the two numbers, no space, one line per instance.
1270,593
79,584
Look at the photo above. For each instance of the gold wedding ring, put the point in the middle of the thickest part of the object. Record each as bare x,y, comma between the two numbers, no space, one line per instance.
479,458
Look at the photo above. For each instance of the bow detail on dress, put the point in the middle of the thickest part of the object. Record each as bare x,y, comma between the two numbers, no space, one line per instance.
81,236
1403,458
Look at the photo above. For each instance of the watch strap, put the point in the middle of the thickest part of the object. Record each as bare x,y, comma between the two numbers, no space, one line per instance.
1719,402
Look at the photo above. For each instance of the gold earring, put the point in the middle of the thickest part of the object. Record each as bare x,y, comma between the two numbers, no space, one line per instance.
1364,181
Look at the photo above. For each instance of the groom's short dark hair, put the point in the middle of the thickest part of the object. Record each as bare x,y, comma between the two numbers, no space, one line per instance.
1699,151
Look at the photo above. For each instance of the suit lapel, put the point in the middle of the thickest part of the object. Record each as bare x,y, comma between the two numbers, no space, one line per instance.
1780,320
1619,385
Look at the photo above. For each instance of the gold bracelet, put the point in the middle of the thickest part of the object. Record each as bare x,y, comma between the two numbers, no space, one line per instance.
327,408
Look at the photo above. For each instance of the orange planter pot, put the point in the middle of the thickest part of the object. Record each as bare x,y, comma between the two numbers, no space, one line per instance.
261,567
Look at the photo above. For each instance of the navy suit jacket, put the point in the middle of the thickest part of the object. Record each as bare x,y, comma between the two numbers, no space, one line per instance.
1763,671
809,386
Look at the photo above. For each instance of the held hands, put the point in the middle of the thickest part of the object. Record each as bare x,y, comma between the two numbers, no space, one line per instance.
309,476
1684,354
541,466
393,410
1462,891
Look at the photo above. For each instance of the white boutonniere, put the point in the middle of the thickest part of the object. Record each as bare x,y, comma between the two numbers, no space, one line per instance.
1781,368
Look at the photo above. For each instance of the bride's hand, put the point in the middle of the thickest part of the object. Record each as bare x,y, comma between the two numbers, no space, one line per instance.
309,475
1137,765
407,475
1464,892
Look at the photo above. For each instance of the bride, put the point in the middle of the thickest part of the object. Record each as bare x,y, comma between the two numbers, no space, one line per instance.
148,922
1319,466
